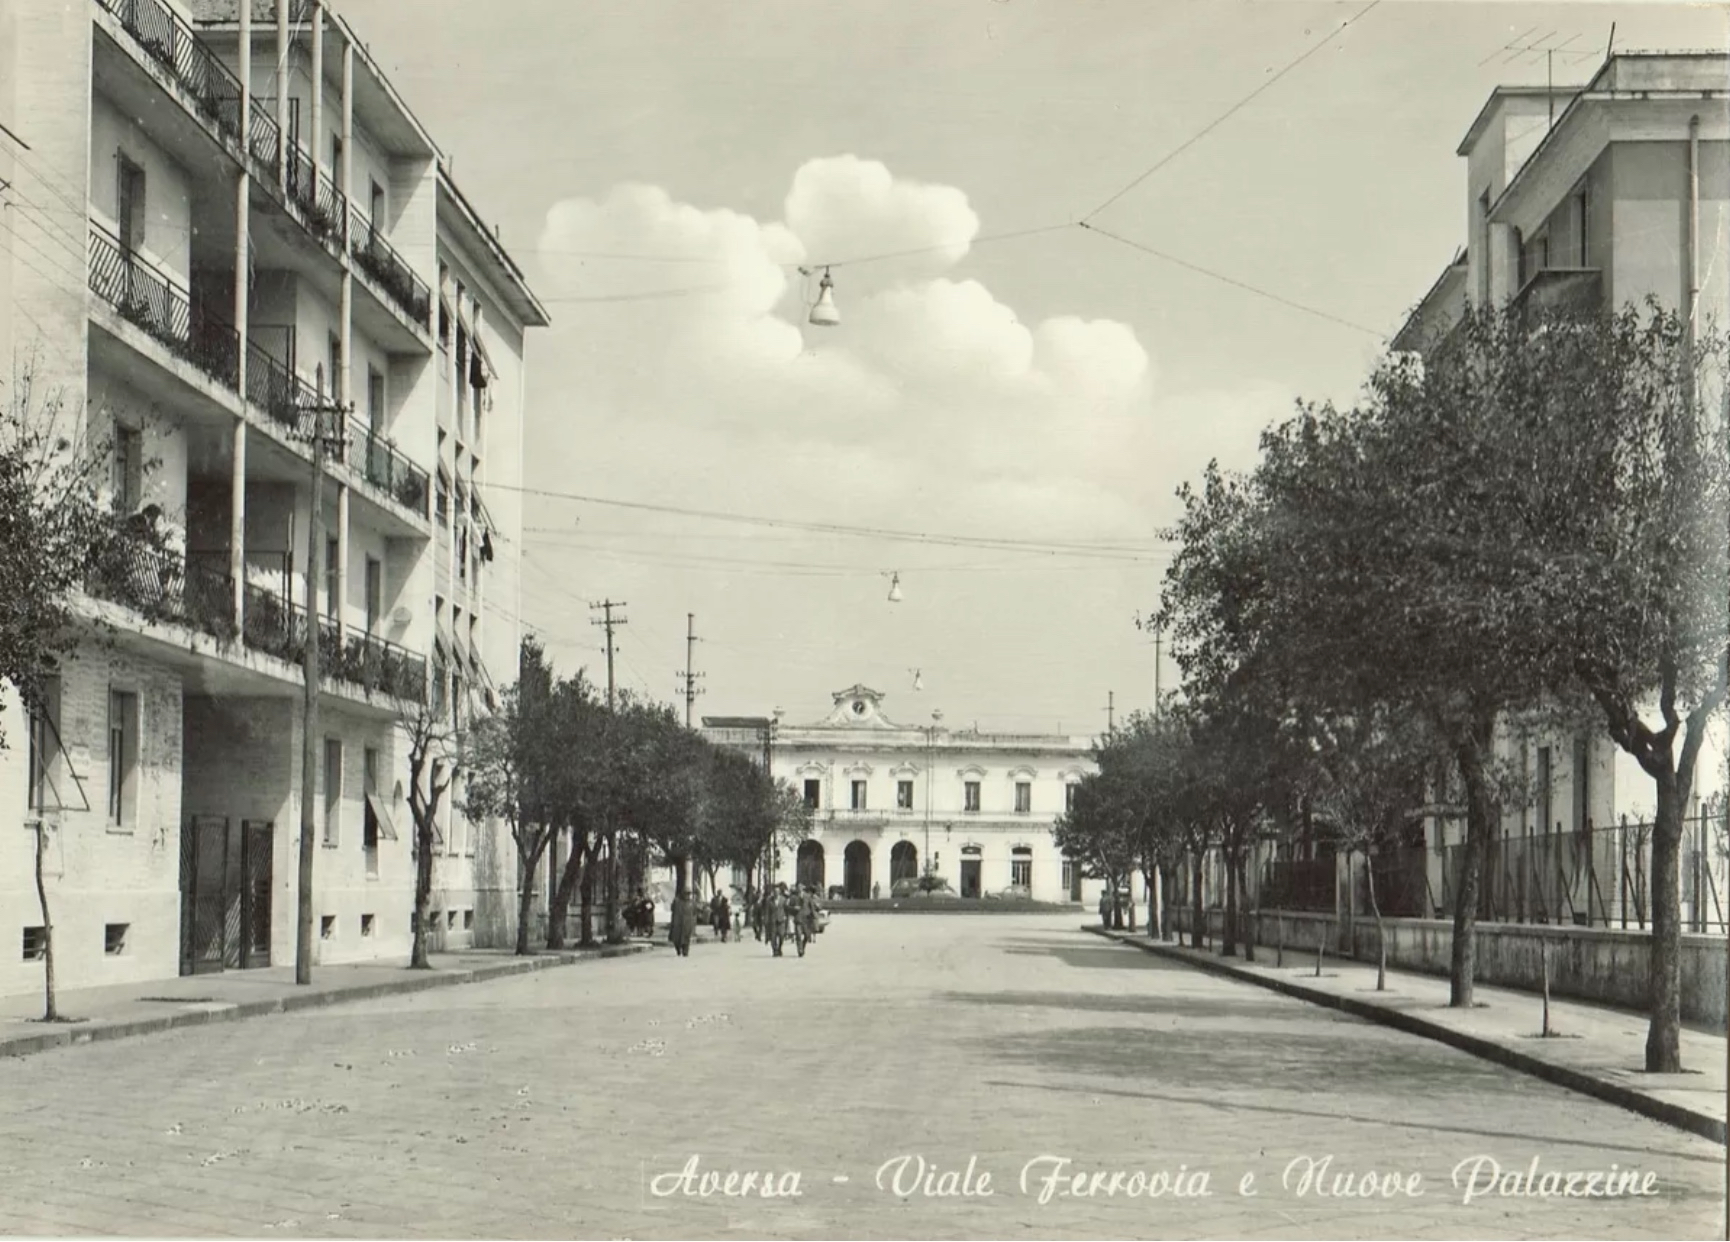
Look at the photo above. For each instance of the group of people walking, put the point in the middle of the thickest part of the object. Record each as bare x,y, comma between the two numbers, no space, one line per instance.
777,915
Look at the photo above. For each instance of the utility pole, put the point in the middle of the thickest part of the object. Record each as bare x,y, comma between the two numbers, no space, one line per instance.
689,678
1110,712
326,423
608,620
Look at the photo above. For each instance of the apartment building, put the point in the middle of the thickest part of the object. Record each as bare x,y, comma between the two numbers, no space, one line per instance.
225,235
889,798
1586,198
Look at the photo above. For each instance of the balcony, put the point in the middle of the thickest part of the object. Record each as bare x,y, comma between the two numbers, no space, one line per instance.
383,465
163,587
264,138
374,256
312,191
1562,291
277,627
287,399
148,298
171,44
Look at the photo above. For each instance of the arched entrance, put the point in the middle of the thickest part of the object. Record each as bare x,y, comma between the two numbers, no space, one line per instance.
972,859
903,863
856,868
811,865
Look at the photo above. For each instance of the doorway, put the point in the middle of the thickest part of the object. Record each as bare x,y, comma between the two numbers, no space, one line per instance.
970,867
903,863
810,868
856,871
225,873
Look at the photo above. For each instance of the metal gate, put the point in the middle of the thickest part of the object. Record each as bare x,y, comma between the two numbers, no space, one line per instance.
225,878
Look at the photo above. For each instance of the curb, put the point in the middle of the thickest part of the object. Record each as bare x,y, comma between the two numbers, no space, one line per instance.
70,1036
1703,1124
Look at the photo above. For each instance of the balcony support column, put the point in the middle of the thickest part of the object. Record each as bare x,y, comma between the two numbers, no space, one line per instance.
347,169
237,525
283,46
339,606
315,140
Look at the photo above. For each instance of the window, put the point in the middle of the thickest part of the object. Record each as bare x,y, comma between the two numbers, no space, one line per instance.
332,563
1023,797
1069,874
970,796
44,748
332,787
374,594
377,206
813,794
1069,797
333,377
369,831
35,944
114,939
450,920
366,926
327,927
375,399
858,795
122,757
904,795
1582,785
468,920
128,477
1021,866
129,206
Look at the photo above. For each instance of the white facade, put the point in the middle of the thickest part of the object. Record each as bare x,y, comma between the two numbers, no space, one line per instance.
889,797
214,291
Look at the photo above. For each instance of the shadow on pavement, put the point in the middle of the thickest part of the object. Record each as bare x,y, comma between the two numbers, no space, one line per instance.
1103,1002
1376,1119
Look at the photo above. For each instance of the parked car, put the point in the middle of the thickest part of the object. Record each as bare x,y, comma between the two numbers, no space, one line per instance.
1012,892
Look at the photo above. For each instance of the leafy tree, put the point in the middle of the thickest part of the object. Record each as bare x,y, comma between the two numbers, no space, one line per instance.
433,758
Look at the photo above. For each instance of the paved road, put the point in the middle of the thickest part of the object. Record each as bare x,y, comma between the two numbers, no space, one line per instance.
548,1105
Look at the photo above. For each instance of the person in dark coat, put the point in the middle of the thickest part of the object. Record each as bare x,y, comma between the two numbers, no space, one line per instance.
684,924
1105,910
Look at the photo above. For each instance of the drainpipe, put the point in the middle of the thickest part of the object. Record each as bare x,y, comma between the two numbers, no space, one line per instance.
1693,231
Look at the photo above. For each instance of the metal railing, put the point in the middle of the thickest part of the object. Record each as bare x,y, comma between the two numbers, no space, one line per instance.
146,297
171,43
277,626
384,466
279,392
1299,884
264,137
162,586
375,256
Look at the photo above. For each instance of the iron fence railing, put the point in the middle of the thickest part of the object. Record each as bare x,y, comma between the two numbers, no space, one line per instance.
148,298
264,137
1299,884
277,626
171,43
376,257
279,392
384,466
330,207
162,586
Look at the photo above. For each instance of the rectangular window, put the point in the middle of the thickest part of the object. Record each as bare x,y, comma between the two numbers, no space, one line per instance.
332,560
468,920
129,207
332,787
1582,220
366,926
450,920
1069,797
45,748
114,939
374,593
813,793
375,400
1023,796
1582,785
128,475
1069,873
369,831
904,795
336,163
35,944
970,796
327,927
858,795
122,757
1021,871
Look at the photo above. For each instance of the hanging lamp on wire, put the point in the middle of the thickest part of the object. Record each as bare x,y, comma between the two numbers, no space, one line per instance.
895,588
823,312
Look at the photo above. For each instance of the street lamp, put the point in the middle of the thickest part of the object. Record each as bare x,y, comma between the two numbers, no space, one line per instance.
823,313
930,773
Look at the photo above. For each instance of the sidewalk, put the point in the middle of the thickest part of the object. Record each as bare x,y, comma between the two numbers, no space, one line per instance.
1596,1050
119,1010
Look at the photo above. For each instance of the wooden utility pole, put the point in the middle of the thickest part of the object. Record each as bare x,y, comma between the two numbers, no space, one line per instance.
689,678
1110,712
322,417
610,622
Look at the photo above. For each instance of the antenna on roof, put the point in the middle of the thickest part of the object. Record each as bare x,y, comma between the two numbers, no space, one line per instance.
1610,47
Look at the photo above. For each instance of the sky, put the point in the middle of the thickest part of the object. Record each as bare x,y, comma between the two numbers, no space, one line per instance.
1271,187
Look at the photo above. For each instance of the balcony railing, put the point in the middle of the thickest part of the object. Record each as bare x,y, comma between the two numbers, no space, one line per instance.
164,587
264,137
1562,291
278,627
149,299
279,392
385,467
171,43
378,260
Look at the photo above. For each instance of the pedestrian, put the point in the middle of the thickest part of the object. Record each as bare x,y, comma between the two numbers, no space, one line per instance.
1105,909
777,917
684,924
876,890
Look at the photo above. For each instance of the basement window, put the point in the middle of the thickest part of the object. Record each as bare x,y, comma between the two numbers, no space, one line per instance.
35,944
365,926
468,920
451,920
114,938
327,927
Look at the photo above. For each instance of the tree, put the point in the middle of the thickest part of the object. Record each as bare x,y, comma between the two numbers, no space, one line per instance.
58,533
433,758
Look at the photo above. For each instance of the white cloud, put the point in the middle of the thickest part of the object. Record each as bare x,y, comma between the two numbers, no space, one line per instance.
845,208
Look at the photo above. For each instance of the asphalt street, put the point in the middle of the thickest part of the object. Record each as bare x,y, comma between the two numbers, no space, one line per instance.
913,1076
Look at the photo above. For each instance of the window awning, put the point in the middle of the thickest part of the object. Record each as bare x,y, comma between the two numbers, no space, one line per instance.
386,829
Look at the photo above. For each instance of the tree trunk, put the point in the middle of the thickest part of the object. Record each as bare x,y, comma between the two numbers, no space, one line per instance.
526,869
559,909
1228,941
1151,879
1480,823
423,871
1664,1035
1196,912
588,896
1381,928
51,1009
613,936
1244,912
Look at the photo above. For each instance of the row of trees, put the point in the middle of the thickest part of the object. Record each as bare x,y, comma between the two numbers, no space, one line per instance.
586,784
1528,527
